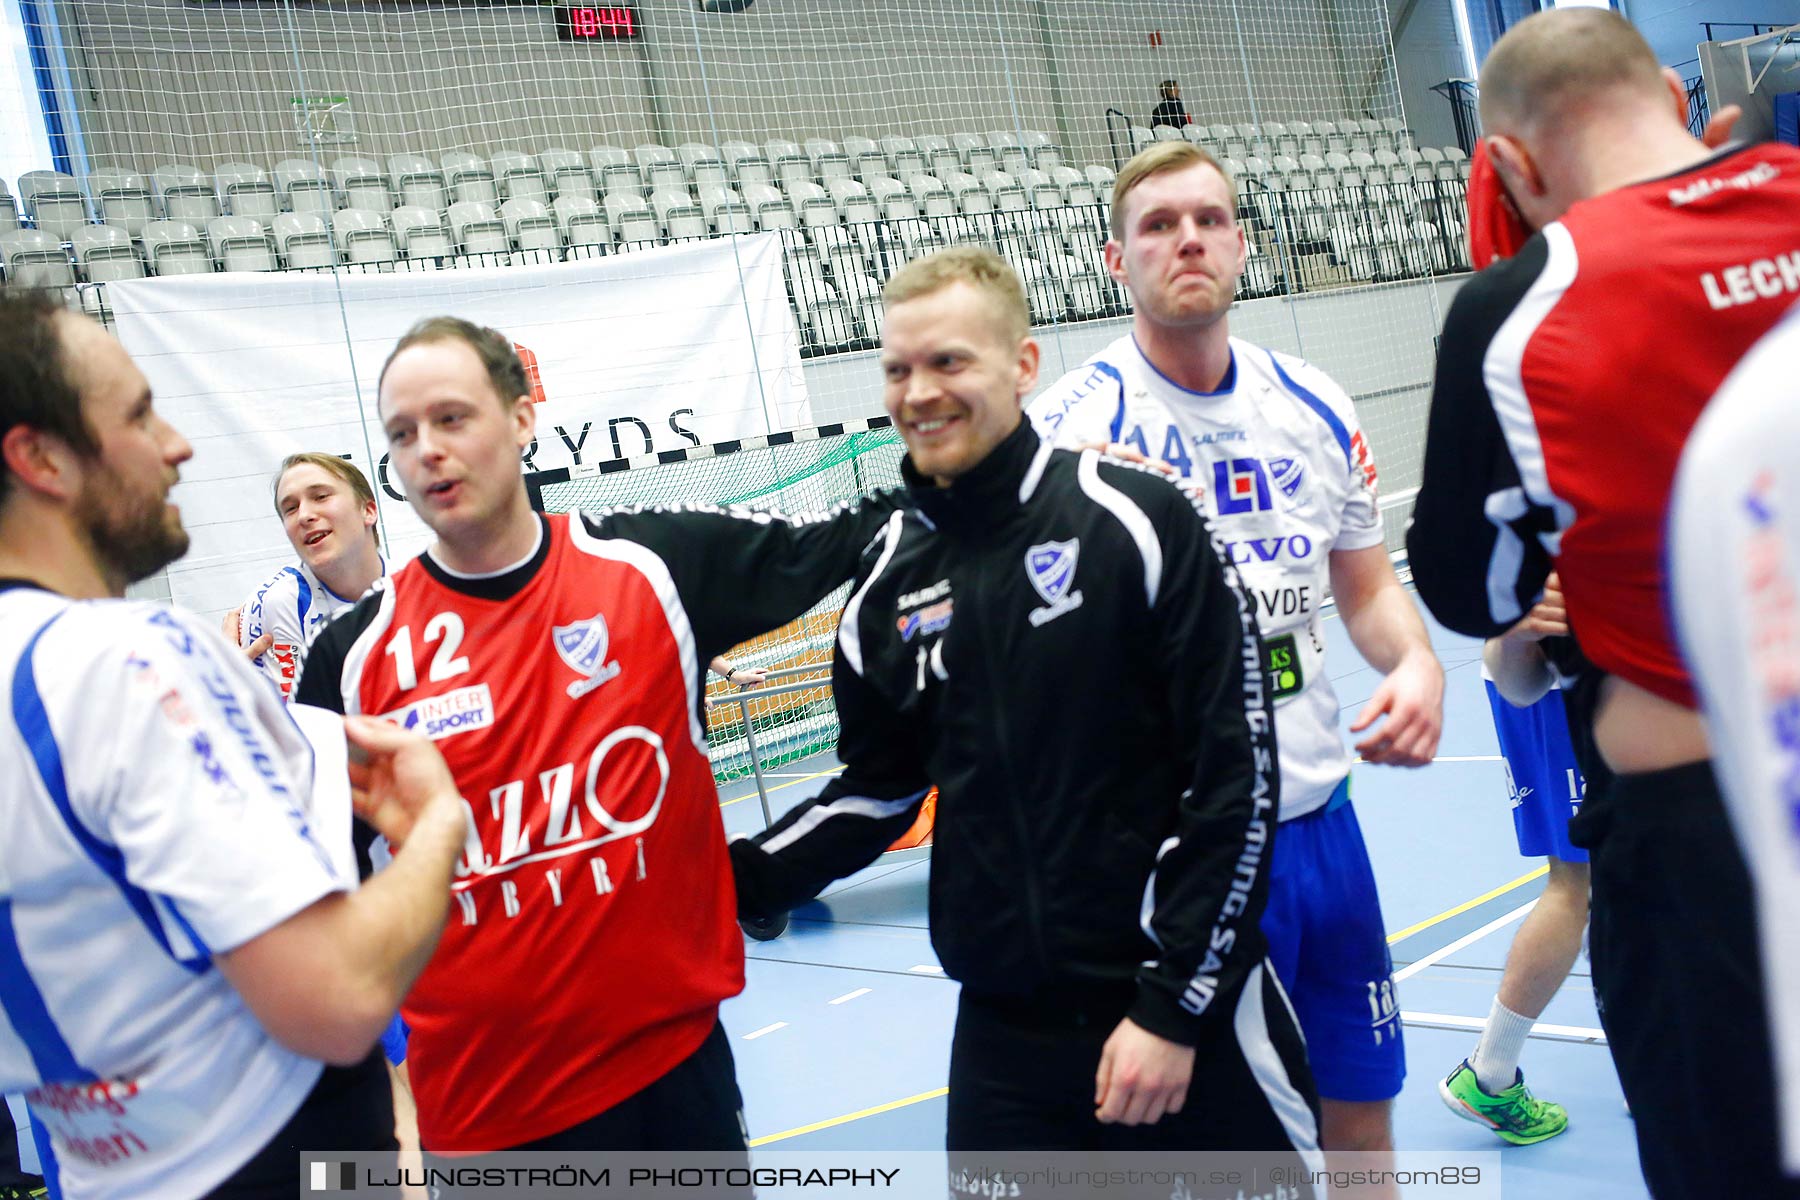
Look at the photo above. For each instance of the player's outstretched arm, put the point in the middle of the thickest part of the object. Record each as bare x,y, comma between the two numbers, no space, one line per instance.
326,981
857,815
1385,626
741,573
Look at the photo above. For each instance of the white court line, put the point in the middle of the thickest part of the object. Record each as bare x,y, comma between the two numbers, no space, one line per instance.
1561,1033
850,995
925,969
750,1037
1468,939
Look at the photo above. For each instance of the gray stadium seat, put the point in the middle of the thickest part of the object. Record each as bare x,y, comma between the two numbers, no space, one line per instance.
678,212
303,240
245,190
122,199
363,236
176,248
418,183
614,170
362,184
519,176
477,228
659,166
303,186
185,194
54,202
703,163
568,174
530,224
239,244
469,178
581,221
725,209
746,163
35,258
104,253
419,232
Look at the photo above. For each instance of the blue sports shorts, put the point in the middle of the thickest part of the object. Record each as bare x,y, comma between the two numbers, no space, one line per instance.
1329,947
1541,774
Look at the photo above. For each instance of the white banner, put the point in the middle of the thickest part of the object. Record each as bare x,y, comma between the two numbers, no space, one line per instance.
650,351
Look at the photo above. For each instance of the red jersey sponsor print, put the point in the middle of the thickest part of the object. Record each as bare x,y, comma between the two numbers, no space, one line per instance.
593,915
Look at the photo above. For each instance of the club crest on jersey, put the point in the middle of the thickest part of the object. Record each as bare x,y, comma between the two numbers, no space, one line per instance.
1051,569
1289,474
1240,486
583,645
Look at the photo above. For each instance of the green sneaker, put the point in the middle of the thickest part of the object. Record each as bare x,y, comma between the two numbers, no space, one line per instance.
1515,1115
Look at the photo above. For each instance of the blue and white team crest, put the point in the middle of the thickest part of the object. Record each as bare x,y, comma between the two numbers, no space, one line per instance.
1288,474
583,646
1051,567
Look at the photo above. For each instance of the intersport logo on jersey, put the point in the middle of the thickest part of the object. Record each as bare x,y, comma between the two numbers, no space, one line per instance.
454,712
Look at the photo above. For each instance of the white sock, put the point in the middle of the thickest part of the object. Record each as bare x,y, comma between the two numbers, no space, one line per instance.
1496,1058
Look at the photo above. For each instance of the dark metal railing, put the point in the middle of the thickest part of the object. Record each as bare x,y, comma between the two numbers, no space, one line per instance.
1698,110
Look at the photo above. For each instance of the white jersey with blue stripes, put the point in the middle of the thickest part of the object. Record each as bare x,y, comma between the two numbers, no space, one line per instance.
1287,478
156,809
1734,584
293,606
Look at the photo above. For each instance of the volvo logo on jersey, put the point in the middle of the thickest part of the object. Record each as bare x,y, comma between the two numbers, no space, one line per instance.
583,647
1051,567
1240,485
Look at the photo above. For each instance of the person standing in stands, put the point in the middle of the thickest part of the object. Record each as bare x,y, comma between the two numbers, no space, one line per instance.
1569,377
1170,111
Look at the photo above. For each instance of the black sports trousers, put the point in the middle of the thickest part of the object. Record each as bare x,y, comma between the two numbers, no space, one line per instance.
1022,1079
1678,978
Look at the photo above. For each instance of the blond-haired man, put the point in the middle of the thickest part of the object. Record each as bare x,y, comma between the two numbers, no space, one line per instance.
328,512
1288,480
1053,640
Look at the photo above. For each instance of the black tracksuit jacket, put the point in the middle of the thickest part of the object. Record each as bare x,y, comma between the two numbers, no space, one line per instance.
1056,643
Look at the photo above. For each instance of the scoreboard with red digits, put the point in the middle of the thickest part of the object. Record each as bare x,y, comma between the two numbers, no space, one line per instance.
597,22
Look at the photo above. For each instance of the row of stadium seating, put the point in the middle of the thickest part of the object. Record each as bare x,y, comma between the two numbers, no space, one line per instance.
1283,204
1022,170
1299,241
575,217
1294,138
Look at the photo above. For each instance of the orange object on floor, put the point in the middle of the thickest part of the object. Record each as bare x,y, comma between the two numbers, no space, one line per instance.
920,833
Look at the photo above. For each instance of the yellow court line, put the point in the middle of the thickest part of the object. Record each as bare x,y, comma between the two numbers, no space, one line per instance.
890,1106
779,786
1466,905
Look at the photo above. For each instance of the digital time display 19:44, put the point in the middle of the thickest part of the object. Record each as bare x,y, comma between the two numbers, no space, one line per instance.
597,22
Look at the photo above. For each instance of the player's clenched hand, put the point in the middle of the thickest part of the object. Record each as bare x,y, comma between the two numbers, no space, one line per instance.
1141,1076
1412,700
233,629
1547,618
398,780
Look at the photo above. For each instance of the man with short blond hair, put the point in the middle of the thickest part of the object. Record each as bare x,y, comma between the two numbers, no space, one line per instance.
1052,639
1569,377
1276,452
1155,160
328,512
